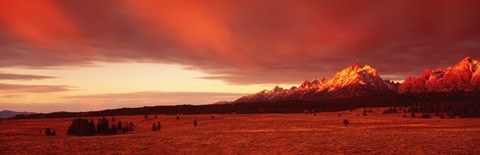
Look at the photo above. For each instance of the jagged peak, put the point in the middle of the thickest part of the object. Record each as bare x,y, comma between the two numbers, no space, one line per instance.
459,77
277,88
356,70
318,81
353,75
439,69
466,63
427,72
305,84
351,79
367,67
467,59
355,66
370,70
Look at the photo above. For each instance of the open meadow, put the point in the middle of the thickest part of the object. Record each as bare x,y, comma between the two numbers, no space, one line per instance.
322,133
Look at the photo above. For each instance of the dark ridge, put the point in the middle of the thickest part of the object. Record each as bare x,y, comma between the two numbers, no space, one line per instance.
462,104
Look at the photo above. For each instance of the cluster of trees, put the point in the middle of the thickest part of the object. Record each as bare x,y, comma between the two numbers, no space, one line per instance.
85,127
82,127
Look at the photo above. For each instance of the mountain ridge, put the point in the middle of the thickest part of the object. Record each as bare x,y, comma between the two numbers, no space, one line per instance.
463,76
352,81
357,81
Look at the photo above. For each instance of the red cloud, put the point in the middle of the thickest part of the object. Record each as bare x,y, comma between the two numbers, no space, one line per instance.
243,42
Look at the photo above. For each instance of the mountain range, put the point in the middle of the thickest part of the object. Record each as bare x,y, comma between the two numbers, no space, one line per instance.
8,113
461,77
358,81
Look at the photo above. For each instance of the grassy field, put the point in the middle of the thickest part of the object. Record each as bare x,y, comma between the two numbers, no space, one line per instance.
254,134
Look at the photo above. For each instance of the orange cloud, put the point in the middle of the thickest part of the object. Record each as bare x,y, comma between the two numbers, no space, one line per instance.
17,88
9,76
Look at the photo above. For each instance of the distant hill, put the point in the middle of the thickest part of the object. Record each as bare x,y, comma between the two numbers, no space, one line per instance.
8,113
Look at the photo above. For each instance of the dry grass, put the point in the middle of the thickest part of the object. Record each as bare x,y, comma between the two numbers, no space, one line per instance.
255,134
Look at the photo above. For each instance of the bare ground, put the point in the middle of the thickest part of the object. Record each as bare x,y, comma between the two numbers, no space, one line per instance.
254,134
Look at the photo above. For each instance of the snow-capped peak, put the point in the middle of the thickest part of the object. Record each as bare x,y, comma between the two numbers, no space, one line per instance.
354,74
354,80
466,64
461,77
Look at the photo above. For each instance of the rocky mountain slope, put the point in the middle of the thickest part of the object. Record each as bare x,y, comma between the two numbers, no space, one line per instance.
461,77
352,81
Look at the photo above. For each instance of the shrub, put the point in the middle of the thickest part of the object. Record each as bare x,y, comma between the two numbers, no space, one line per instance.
48,132
345,122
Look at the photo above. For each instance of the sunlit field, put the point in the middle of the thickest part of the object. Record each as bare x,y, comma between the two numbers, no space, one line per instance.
320,133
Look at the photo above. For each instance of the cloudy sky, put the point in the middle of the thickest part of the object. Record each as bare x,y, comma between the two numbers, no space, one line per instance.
59,55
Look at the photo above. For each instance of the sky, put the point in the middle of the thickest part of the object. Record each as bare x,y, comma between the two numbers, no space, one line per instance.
58,55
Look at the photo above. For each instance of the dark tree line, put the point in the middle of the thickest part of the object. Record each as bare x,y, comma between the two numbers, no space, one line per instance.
449,104
461,109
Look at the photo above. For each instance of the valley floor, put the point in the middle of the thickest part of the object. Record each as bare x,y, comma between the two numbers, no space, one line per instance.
323,133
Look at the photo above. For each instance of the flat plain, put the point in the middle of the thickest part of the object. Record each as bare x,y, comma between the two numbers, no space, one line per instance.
320,133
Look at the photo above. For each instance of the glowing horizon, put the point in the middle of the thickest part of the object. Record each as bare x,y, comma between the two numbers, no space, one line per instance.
115,78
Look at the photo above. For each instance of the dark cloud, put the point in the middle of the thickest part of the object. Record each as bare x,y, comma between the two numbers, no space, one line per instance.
243,42
9,76
18,88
